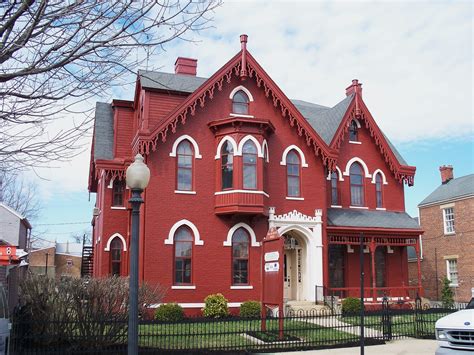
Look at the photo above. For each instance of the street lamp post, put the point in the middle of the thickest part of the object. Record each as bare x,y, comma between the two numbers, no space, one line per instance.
137,177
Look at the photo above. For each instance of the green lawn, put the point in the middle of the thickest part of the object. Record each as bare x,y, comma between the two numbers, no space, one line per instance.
229,334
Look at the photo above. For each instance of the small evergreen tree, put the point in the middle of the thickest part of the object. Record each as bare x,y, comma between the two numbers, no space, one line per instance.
447,294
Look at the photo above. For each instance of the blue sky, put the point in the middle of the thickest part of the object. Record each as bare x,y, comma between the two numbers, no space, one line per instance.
413,58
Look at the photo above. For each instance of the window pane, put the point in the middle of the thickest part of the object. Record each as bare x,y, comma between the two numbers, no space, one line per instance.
353,132
185,148
227,174
356,196
185,179
292,158
116,268
183,234
185,161
249,147
240,275
240,103
250,177
183,249
293,186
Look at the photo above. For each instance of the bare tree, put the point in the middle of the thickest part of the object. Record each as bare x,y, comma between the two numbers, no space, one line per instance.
84,236
56,55
20,195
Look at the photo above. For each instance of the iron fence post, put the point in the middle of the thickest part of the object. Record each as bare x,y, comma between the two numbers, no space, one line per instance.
418,318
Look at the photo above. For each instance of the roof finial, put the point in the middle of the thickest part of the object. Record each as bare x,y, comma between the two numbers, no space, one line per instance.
243,68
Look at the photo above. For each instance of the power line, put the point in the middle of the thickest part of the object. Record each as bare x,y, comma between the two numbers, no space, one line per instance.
61,224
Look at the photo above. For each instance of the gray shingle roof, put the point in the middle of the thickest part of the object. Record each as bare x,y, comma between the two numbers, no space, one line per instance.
324,120
168,81
103,131
342,217
455,188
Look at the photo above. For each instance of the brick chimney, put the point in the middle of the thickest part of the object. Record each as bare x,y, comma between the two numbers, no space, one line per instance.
187,66
354,87
446,173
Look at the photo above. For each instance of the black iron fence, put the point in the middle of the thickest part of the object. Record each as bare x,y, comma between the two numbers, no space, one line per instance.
302,330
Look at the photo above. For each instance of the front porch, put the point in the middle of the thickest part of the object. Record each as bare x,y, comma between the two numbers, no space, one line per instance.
385,266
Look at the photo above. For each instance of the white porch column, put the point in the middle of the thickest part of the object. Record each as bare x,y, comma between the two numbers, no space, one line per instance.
318,248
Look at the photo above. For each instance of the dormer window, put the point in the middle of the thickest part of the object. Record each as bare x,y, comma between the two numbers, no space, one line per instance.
240,103
353,136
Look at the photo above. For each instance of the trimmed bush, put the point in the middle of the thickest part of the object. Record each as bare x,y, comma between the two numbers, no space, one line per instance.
250,309
215,306
170,312
351,305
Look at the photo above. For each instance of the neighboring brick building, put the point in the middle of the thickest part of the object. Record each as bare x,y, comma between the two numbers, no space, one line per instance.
63,260
231,156
447,217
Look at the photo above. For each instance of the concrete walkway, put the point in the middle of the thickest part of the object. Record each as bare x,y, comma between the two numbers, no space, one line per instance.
397,347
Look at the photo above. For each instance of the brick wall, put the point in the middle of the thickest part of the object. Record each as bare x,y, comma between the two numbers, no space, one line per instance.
437,247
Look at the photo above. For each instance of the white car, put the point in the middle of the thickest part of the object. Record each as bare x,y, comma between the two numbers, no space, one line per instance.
455,332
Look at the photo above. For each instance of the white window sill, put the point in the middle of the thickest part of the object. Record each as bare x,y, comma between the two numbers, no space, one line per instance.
295,198
355,142
336,206
185,192
360,207
241,115
381,209
453,285
449,234
190,287
118,208
243,287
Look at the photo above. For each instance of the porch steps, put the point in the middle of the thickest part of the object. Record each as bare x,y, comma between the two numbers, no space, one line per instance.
305,307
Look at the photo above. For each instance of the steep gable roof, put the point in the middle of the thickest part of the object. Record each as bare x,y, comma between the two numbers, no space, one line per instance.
167,81
103,131
144,142
456,188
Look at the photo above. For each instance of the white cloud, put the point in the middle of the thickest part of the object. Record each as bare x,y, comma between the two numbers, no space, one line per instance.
413,58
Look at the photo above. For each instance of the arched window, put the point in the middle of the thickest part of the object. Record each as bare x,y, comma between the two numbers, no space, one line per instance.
118,190
227,166
334,189
184,174
183,253
353,136
240,103
293,168
249,158
357,185
116,256
240,257
378,190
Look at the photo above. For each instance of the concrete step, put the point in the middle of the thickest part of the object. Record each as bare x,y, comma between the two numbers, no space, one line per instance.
305,307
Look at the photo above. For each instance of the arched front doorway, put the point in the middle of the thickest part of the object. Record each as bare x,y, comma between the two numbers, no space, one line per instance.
294,266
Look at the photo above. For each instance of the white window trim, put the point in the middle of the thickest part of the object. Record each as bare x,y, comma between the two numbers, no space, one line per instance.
221,143
243,287
374,176
444,222
355,142
295,198
358,160
118,208
225,192
244,89
336,206
356,121
107,247
184,192
265,150
300,152
241,115
184,137
360,207
183,287
339,175
448,274
254,140
184,222
253,237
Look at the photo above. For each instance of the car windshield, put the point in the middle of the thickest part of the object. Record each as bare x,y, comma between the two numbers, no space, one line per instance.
470,305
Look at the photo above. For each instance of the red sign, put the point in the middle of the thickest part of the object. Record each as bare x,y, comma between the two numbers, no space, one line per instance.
272,275
8,255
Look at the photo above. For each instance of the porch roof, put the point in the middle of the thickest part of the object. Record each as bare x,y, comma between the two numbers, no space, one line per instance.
341,217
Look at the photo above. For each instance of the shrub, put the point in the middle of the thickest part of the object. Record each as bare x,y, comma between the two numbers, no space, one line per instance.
170,312
447,294
351,305
215,306
250,309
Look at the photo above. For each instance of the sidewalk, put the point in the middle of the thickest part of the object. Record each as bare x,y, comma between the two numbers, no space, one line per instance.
397,347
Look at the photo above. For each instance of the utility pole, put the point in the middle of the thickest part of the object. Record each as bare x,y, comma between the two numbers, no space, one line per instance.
46,268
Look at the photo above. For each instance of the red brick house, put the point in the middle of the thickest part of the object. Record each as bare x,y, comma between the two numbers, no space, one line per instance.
231,155
447,217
